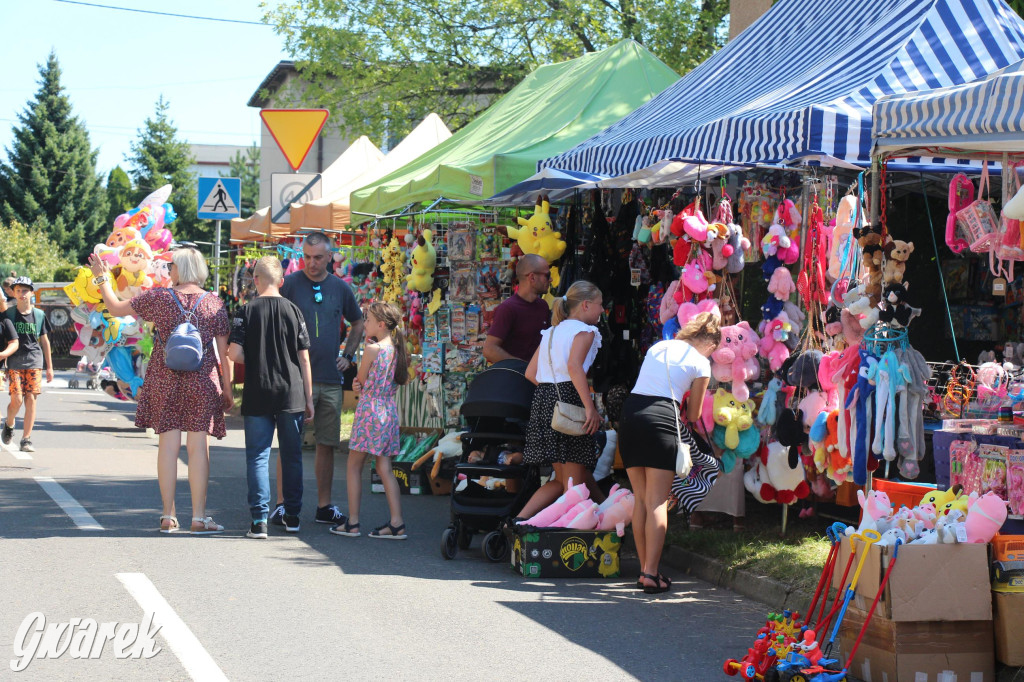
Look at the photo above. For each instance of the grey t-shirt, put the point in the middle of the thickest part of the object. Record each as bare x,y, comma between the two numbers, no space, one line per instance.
324,320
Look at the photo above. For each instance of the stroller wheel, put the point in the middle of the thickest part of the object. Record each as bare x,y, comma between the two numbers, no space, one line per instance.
464,536
495,546
449,548
73,383
91,384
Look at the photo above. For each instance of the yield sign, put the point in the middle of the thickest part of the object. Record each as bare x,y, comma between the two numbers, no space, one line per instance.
294,130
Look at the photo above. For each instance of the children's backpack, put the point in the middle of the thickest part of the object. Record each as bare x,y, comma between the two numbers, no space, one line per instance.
961,195
183,350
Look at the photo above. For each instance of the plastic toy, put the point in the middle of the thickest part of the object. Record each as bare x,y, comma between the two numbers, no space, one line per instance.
735,358
759,659
536,234
733,414
424,260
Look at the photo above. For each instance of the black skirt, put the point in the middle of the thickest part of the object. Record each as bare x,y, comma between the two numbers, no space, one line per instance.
647,433
544,445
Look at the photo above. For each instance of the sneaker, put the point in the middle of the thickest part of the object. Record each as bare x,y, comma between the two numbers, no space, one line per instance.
26,445
291,523
277,516
329,514
8,434
258,529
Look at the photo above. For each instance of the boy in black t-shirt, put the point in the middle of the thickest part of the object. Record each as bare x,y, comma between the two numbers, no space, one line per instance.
25,367
269,337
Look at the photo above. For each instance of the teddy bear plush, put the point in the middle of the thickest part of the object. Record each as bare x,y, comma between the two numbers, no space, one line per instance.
870,241
773,343
897,252
895,310
781,284
735,359
859,305
732,414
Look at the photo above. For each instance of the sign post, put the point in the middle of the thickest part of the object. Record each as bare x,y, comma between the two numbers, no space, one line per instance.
219,199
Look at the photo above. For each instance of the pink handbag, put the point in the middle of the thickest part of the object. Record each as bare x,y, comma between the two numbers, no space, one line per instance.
978,220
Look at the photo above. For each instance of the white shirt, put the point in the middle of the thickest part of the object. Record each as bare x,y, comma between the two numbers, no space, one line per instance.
561,344
684,365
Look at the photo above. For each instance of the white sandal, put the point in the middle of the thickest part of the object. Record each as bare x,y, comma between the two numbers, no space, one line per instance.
174,527
209,527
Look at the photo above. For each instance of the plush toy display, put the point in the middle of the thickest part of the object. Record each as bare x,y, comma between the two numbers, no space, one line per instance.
749,442
779,244
669,304
895,310
859,304
773,343
573,495
687,311
424,260
842,238
732,414
536,234
782,284
897,252
735,249
985,516
391,269
735,359
693,281
786,482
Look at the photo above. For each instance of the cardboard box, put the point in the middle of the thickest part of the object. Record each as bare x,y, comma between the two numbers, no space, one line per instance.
1008,611
564,553
409,482
928,583
918,651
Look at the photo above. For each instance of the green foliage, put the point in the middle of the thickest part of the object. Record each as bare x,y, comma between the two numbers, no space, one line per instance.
365,63
119,198
31,251
247,168
157,158
50,175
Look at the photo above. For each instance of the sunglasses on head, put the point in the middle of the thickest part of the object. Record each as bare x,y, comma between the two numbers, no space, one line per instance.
317,296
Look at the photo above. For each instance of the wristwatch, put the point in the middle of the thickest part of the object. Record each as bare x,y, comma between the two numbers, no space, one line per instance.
348,356
100,279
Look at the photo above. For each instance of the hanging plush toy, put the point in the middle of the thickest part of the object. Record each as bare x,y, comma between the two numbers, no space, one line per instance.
781,284
391,271
786,482
537,235
687,311
735,249
773,344
424,260
732,414
735,359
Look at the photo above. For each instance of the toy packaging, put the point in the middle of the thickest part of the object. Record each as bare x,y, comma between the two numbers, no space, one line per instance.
461,244
433,358
462,286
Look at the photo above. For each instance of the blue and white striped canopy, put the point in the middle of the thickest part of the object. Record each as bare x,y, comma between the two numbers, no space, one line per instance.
986,115
801,81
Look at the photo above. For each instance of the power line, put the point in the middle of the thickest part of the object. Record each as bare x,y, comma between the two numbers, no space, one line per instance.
168,14
108,130
144,87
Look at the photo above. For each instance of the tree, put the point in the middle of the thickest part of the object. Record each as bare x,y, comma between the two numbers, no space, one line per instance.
247,168
50,177
157,158
31,251
119,197
364,63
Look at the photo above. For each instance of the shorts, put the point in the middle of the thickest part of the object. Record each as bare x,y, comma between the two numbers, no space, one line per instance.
327,400
25,381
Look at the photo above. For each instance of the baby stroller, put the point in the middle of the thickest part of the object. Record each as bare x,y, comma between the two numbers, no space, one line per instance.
497,410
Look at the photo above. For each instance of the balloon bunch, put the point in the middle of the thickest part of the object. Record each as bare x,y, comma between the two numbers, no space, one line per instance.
138,251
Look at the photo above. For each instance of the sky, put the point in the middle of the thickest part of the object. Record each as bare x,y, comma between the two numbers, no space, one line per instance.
115,64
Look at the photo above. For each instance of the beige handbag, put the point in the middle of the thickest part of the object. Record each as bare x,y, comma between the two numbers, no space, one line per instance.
683,461
567,418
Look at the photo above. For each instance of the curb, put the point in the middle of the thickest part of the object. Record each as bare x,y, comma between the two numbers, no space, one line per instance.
773,593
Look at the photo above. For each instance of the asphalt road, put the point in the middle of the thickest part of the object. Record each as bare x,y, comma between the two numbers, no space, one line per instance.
312,605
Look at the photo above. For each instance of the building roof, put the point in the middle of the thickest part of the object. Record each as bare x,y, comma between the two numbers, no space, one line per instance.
272,82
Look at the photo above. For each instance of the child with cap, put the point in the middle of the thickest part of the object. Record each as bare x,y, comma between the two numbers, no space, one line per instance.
25,367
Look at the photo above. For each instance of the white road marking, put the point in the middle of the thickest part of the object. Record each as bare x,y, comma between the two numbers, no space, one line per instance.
70,505
86,393
17,454
193,656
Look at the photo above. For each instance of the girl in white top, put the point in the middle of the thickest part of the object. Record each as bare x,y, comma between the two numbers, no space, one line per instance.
559,368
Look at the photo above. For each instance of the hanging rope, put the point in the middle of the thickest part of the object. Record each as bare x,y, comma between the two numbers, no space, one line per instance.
883,201
938,264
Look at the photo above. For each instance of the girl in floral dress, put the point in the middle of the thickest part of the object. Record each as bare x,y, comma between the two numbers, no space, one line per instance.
384,367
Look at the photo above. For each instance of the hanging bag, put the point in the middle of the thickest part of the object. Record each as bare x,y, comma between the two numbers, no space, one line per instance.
978,221
683,461
567,418
961,195
1009,247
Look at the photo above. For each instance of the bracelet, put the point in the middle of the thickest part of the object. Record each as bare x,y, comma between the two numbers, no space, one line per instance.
100,280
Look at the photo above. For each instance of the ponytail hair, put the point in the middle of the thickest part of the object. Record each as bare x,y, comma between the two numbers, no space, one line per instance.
390,316
581,290
704,327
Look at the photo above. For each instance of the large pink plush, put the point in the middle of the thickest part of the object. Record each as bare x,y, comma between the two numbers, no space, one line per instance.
688,311
669,306
735,358
616,512
985,516
692,280
773,346
875,506
781,284
557,509
581,517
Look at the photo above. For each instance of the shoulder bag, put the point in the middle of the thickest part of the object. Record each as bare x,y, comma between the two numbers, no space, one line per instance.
683,461
567,418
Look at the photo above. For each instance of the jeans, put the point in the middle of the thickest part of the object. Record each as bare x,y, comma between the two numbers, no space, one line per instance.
259,435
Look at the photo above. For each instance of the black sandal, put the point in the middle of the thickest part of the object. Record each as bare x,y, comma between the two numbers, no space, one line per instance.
350,530
659,579
394,532
663,578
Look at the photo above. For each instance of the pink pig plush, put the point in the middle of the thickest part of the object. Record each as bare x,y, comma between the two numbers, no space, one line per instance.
688,311
735,359
773,344
985,516
557,509
781,284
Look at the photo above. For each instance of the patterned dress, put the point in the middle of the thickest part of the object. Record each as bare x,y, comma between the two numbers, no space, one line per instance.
375,427
184,401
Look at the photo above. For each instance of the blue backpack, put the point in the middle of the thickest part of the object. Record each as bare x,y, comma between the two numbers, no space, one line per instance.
183,350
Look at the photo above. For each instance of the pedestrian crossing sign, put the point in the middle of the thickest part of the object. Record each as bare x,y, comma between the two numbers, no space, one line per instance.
219,198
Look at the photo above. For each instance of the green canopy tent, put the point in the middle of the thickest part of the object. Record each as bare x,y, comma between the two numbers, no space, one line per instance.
552,110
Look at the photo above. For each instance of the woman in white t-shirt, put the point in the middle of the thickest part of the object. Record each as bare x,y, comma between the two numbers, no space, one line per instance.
647,433
559,368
